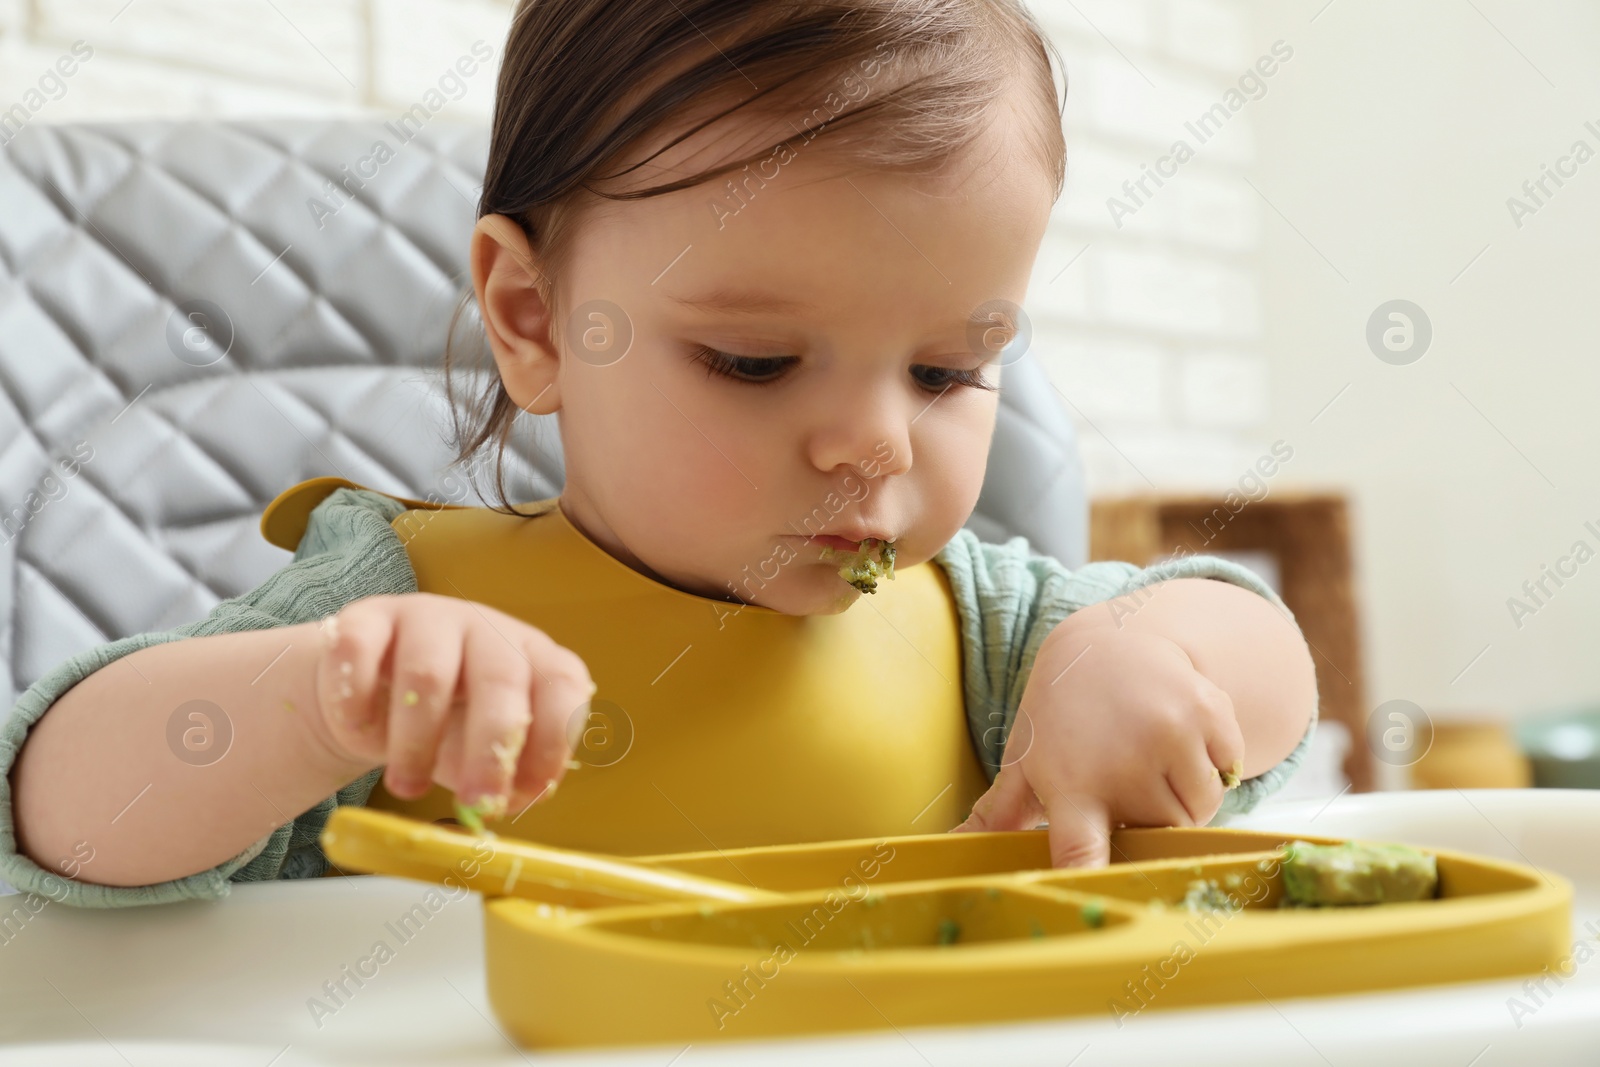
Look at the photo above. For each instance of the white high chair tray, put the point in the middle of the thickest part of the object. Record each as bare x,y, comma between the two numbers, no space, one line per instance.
228,985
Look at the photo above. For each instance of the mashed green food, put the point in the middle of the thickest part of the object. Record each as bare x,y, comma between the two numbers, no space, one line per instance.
863,567
1357,873
1205,895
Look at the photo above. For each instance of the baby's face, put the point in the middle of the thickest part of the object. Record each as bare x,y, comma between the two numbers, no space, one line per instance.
801,367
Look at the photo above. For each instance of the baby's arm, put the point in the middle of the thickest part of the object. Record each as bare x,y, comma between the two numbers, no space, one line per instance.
435,688
118,768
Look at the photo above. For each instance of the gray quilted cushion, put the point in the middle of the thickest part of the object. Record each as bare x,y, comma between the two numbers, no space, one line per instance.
138,453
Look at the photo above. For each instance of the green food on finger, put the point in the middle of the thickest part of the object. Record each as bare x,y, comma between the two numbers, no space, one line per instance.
1232,778
1357,873
863,567
470,816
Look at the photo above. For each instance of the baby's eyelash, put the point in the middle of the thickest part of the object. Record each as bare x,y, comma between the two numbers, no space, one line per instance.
763,370
969,379
738,367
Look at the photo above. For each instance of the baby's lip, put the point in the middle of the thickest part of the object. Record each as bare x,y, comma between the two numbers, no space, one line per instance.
848,544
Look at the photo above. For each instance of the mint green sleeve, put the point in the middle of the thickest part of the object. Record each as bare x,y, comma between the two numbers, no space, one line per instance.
1010,598
349,551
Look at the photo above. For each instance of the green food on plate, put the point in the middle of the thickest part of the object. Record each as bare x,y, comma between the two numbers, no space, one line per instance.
1204,895
1357,873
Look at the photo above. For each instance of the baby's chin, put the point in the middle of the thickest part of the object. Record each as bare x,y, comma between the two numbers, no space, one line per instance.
803,589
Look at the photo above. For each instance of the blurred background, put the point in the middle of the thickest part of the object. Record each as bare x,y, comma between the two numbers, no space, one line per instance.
1318,295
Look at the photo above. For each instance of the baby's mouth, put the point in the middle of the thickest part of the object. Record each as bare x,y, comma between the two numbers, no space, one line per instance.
860,563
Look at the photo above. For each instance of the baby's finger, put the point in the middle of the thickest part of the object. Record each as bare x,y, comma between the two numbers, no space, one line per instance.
497,675
561,691
1224,741
355,641
1080,830
424,672
1010,804
1195,792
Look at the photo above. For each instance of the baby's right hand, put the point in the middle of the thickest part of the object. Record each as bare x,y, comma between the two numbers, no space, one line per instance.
450,691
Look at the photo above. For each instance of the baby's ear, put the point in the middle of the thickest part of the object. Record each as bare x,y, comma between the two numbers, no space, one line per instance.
511,286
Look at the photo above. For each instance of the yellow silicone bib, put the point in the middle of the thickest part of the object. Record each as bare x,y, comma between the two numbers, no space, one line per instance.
716,725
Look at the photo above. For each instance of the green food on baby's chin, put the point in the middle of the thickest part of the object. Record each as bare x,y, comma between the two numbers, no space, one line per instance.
863,567
1356,873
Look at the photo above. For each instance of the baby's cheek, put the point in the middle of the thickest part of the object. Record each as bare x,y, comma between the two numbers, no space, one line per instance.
637,446
951,480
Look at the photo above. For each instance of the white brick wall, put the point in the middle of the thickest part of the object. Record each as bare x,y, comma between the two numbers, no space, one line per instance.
1151,329
1153,332
414,42
313,44
1226,389
249,57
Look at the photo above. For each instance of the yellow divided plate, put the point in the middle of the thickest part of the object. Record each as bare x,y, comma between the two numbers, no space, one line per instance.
936,929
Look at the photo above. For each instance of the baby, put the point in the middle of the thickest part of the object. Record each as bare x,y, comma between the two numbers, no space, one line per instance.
764,259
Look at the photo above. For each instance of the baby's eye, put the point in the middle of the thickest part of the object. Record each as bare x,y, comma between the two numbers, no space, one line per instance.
754,369
941,378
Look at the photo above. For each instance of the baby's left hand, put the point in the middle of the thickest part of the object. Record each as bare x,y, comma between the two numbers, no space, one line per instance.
1116,726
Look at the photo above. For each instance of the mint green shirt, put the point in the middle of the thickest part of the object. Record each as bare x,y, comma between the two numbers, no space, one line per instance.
1009,600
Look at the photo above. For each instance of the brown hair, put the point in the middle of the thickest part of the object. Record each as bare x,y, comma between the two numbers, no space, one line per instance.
583,82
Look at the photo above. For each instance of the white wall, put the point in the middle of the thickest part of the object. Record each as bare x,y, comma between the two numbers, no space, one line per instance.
183,58
1391,144
1148,313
